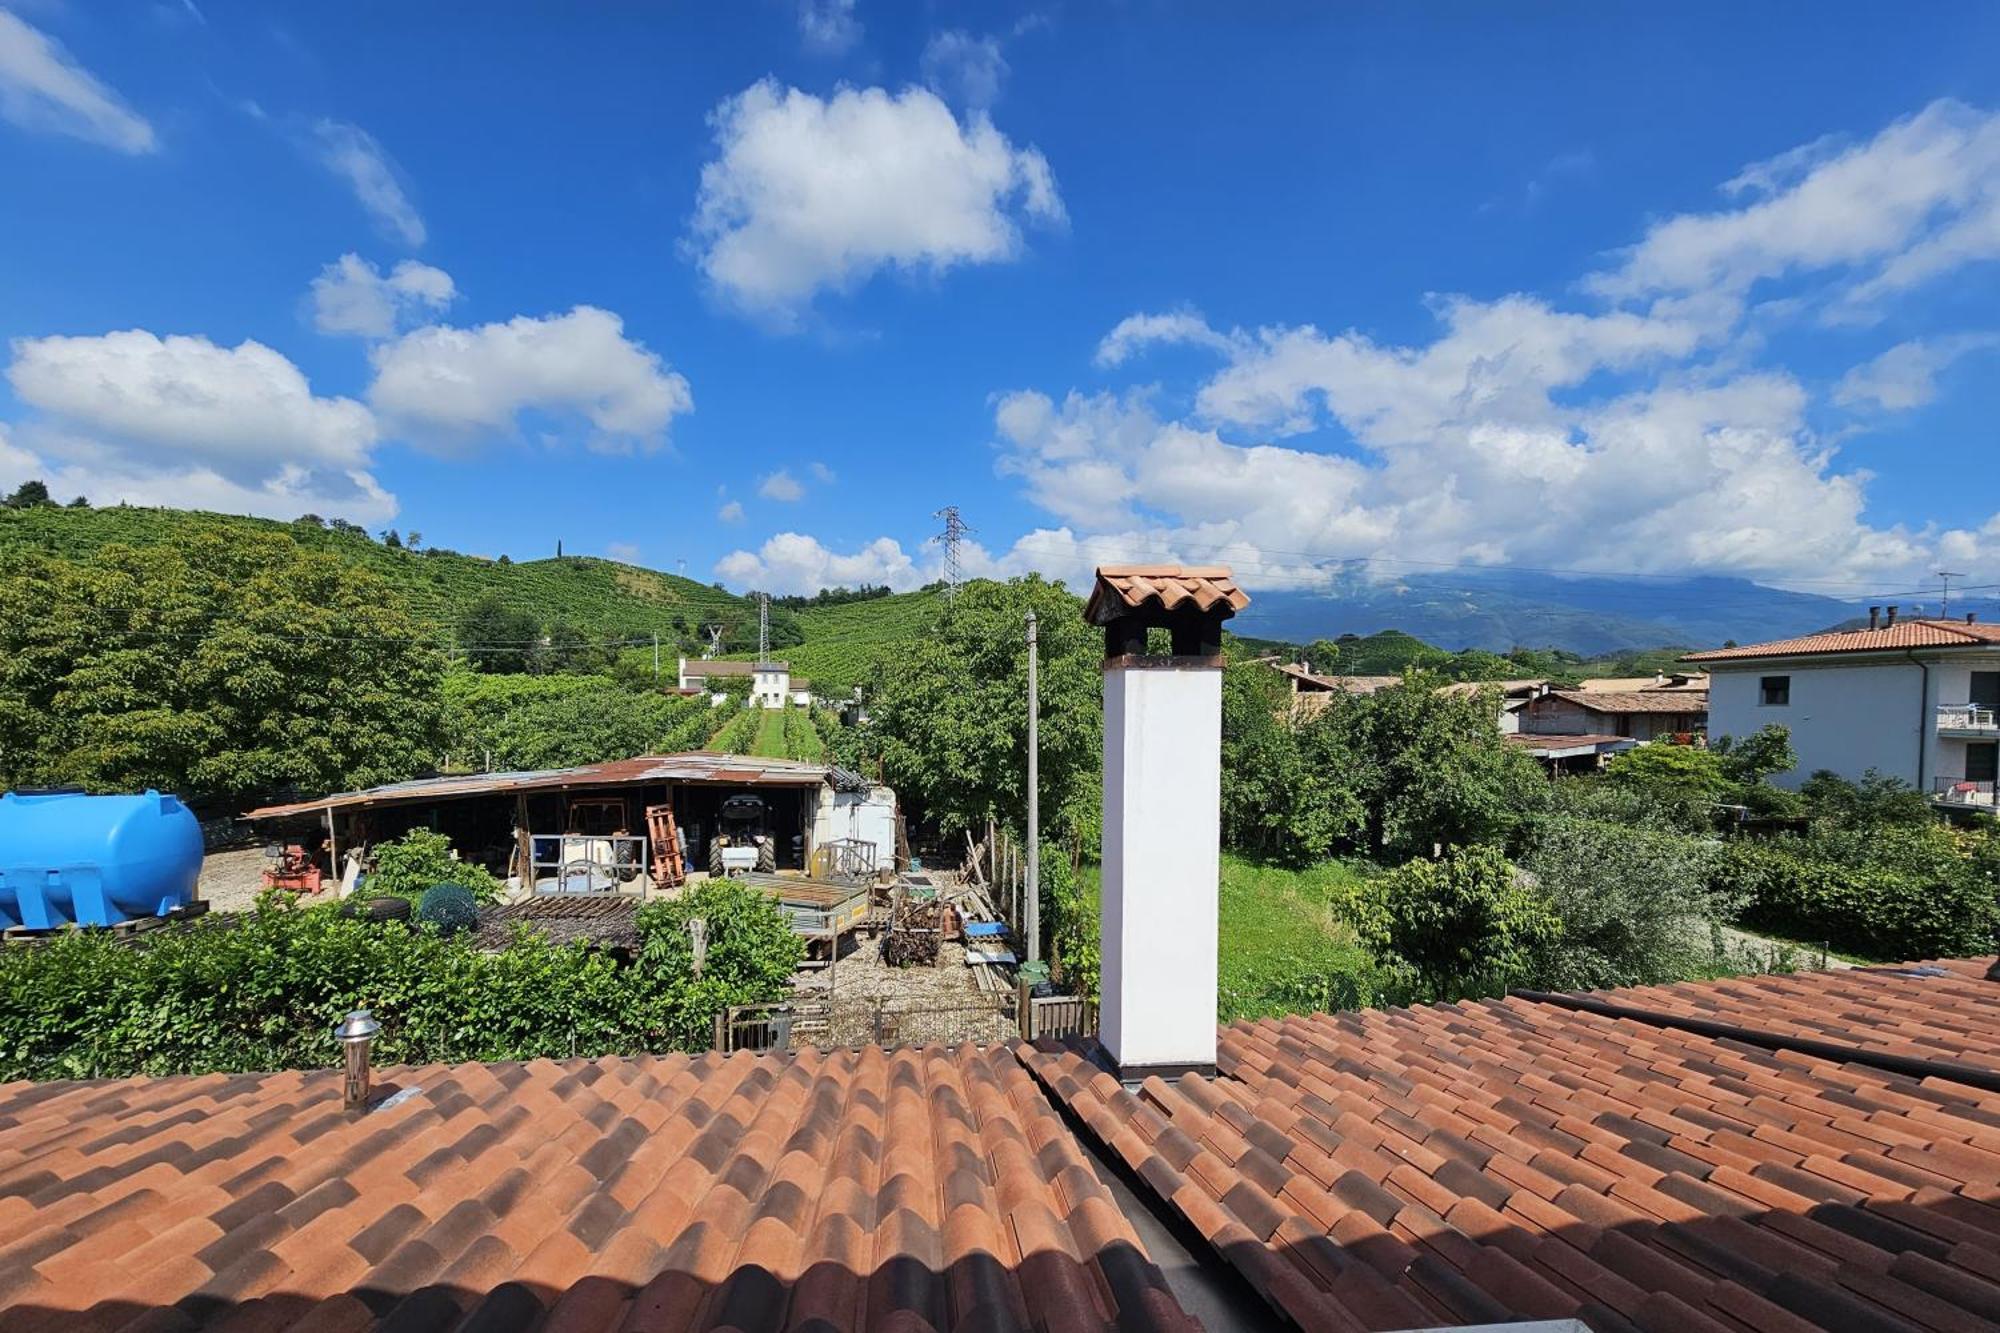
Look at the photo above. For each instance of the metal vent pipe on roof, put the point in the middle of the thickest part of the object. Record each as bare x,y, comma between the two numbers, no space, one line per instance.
1874,617
1892,615
356,1033
1971,617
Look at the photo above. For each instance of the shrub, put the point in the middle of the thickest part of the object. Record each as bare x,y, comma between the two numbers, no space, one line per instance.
1635,903
1465,924
1069,911
751,953
410,865
449,907
1891,891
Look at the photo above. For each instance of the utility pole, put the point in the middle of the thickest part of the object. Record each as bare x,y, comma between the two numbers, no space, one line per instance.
1034,886
954,533
656,654
1944,603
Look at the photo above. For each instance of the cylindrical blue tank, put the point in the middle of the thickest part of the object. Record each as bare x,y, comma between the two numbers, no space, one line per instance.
94,860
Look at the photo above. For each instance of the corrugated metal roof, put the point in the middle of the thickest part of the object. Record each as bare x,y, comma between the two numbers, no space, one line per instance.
695,766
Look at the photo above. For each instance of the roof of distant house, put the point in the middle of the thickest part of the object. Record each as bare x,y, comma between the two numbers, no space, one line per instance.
1507,688
1626,684
1636,701
716,666
1121,589
1550,743
1902,634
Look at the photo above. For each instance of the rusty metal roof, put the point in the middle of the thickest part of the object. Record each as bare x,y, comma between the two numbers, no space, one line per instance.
1122,589
695,766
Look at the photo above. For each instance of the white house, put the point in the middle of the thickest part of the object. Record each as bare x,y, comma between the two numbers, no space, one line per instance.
1914,699
772,684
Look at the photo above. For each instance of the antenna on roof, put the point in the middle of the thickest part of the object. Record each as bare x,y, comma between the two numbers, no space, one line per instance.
1944,602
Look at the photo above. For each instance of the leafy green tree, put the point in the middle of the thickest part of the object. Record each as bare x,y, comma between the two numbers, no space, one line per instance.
411,865
1753,758
1287,792
29,495
751,953
218,664
1467,924
1432,770
1876,800
497,637
570,649
950,709
1636,904
512,722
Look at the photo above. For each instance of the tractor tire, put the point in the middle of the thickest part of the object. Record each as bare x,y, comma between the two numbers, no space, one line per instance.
387,909
767,854
715,866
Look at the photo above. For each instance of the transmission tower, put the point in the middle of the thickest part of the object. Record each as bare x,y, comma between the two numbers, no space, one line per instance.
954,533
714,633
763,627
1944,602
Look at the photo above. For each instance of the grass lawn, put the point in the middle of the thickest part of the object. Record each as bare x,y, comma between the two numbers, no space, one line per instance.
770,741
1282,951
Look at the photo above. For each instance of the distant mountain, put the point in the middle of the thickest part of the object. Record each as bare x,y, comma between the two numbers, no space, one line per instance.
1501,609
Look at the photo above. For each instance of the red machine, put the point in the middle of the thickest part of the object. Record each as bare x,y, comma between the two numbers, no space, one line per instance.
291,868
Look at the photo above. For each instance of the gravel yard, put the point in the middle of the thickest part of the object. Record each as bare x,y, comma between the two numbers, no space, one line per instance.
231,880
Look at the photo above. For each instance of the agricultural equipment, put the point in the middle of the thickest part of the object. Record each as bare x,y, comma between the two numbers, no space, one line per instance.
746,841
67,858
291,867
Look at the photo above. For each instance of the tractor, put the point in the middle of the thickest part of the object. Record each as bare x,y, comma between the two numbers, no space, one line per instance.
745,840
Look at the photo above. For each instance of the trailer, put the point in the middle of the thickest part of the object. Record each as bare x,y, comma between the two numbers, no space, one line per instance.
819,910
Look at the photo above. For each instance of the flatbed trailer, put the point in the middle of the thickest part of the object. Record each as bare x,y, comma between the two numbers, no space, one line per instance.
818,909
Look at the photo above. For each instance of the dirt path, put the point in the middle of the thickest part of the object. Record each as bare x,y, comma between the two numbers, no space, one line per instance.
230,881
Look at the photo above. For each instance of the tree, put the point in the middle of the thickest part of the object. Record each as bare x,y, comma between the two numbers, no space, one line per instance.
1466,925
1432,769
1287,793
29,495
218,664
391,540
1753,758
497,638
81,502
950,710
1636,904
570,649
1876,800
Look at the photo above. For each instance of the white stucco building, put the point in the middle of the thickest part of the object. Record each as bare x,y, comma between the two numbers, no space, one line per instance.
1915,699
772,684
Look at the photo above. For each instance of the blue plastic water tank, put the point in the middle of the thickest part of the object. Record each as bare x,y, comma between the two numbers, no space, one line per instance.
94,860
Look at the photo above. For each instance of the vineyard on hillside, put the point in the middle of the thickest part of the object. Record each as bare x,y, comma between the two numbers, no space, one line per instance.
842,642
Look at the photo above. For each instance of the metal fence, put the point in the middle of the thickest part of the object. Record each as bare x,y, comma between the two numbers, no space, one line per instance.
796,1025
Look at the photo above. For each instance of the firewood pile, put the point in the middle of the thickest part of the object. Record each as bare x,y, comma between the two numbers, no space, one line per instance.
915,930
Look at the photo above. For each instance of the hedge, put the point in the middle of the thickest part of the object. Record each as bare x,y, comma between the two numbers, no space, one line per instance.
261,991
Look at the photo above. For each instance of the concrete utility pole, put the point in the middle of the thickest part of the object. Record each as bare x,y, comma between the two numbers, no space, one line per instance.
1034,886
656,654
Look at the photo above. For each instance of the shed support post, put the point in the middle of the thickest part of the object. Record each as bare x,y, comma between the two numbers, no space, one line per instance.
333,851
524,844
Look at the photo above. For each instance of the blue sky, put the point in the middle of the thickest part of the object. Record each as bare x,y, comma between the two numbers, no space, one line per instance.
759,287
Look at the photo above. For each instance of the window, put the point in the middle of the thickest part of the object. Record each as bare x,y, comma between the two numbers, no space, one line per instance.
1775,691
1982,762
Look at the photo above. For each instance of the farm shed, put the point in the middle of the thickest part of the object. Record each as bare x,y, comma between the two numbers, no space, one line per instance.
482,813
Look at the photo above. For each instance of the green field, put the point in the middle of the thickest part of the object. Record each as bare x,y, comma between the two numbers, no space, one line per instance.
1282,949
842,642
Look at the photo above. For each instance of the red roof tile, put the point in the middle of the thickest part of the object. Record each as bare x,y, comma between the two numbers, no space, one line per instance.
1481,1162
1124,588
1903,634
919,1189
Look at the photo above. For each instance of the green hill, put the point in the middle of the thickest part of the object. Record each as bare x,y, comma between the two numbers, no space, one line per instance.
602,598
843,641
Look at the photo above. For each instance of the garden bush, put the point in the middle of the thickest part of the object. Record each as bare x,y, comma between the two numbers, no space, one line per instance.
1636,903
1886,892
1465,924
410,865
262,991
1069,911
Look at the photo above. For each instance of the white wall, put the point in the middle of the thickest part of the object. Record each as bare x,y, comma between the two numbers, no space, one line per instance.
1847,718
1162,864
867,816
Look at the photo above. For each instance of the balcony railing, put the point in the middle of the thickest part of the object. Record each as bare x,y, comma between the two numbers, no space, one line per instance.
1962,791
1968,717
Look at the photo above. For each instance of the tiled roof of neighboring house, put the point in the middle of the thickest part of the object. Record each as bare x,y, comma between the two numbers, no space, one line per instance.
1475,1163
905,1190
1121,589
1624,684
1507,688
694,766
1903,634
1545,742
1636,701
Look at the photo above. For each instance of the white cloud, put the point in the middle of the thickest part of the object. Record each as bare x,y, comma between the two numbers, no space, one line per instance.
445,384
828,27
781,485
808,194
821,473
1135,333
730,512
1921,197
623,552
42,87
966,69
179,420
352,154
1905,376
792,562
352,296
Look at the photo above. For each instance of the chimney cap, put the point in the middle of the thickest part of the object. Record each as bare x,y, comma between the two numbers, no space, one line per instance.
1123,592
359,1025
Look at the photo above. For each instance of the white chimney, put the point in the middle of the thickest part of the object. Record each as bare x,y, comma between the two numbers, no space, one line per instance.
1162,813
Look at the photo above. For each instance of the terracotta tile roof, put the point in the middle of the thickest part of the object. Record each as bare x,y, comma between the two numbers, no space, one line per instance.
1121,589
905,1190
1511,1160
1902,634
1635,701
